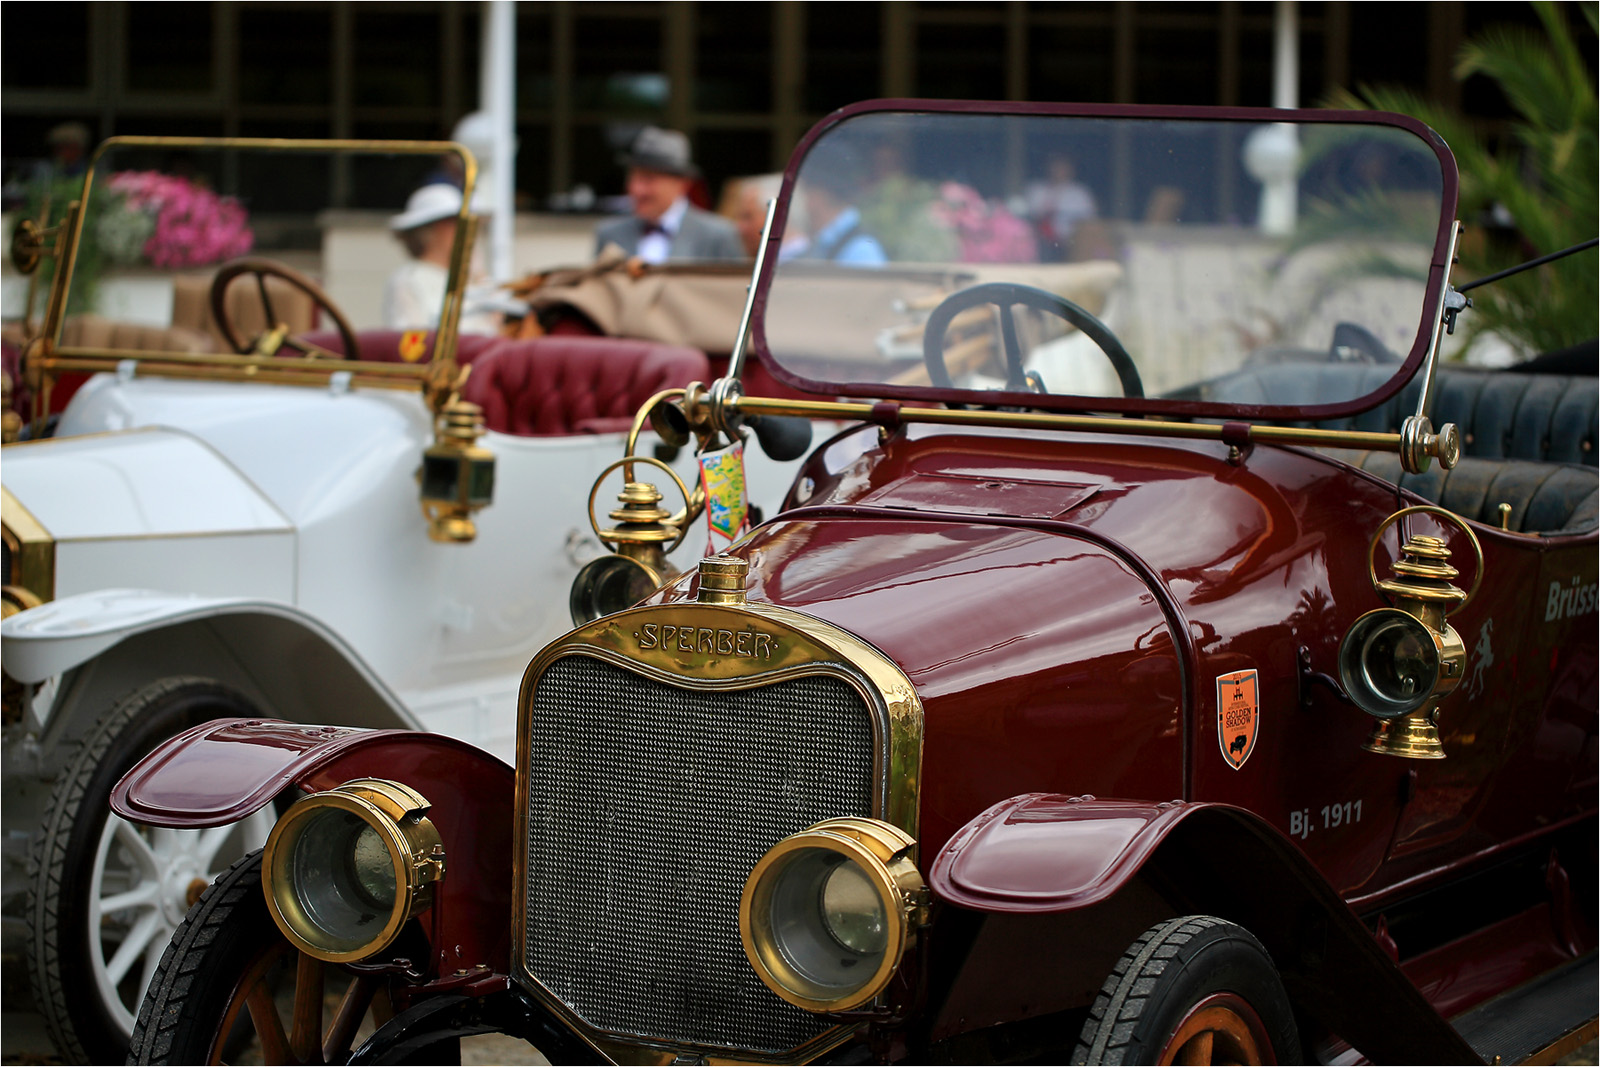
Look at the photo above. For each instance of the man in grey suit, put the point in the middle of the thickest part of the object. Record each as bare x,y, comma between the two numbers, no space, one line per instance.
664,225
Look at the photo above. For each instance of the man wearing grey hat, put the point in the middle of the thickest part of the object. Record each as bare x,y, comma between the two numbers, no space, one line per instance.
664,225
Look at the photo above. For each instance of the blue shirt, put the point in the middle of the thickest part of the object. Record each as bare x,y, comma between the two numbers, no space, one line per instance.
860,249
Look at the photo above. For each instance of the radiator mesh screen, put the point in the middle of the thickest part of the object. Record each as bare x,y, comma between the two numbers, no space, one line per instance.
648,806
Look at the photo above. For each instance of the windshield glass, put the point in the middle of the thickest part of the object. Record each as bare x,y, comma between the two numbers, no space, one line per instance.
1182,259
206,246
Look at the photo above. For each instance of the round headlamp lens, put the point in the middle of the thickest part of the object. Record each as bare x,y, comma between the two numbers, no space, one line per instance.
1389,663
343,875
1397,665
372,868
827,938
852,912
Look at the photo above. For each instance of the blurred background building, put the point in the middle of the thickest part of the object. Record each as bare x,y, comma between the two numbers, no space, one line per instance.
744,80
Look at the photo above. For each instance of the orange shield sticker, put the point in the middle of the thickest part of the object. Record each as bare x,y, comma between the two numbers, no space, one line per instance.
1238,716
413,345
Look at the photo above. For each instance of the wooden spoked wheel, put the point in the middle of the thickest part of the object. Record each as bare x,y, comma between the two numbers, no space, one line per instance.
285,996
1193,989
232,988
1222,1028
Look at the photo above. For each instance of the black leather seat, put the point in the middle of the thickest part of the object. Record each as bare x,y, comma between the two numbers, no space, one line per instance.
1545,498
1528,440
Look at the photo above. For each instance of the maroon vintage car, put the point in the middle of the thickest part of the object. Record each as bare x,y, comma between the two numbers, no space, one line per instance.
1180,657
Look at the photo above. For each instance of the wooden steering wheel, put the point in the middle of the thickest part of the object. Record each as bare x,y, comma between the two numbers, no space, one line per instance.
262,269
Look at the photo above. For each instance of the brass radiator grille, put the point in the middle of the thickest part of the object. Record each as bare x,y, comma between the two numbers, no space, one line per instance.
648,805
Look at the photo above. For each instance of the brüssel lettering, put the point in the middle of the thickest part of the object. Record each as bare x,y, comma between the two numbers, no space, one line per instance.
1570,601
746,644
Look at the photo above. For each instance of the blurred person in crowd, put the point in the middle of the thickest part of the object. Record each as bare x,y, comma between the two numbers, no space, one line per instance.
828,184
475,132
745,202
414,293
69,149
664,225
1059,204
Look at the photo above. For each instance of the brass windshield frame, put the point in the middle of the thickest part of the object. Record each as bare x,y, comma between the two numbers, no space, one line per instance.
47,357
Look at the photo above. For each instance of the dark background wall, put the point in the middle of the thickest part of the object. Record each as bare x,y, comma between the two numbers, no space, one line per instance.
745,80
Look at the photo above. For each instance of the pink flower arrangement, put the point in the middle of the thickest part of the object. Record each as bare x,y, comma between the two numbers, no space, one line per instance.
988,232
193,225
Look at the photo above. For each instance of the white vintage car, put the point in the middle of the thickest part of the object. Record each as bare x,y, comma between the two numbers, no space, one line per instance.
228,523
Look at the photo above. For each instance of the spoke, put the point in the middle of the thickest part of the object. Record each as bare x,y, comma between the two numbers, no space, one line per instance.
145,893
209,844
269,1025
305,1040
143,932
1197,1049
348,1018
127,835
256,826
266,301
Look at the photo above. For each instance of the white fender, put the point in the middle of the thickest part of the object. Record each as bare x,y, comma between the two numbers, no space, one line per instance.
48,640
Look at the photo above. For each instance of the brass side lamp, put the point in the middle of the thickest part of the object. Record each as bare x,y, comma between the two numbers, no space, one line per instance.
643,534
457,473
644,531
1398,663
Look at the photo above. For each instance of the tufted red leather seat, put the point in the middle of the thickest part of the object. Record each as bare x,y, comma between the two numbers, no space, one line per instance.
566,385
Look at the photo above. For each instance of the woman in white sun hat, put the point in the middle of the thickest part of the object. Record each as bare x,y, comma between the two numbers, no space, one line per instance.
414,293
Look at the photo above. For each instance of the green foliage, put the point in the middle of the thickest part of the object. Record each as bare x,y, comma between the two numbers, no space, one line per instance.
55,194
1543,177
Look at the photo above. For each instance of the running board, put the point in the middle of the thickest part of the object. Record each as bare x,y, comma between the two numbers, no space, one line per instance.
1540,1021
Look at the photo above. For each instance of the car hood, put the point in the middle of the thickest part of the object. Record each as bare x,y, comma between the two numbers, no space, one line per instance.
308,451
1040,590
138,483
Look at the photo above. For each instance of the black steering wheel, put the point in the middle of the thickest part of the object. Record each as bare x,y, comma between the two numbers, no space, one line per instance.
1006,295
261,270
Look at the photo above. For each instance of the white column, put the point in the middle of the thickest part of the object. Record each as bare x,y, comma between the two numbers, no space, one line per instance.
1286,54
1272,153
497,96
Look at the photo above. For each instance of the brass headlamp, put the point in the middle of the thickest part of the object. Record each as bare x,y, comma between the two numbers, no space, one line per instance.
457,473
345,869
828,913
1398,663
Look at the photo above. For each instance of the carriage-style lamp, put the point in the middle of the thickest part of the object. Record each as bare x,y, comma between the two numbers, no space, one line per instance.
457,475
643,535
1398,663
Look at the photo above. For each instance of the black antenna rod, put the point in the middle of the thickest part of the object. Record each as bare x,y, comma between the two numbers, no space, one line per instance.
1541,261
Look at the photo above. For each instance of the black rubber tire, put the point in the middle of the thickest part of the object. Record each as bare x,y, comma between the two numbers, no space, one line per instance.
221,935
60,867
1173,966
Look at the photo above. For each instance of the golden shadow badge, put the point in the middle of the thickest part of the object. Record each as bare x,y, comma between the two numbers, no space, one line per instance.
1238,716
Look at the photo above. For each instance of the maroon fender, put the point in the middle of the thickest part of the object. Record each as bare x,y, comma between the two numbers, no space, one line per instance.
1043,852
221,771
1035,859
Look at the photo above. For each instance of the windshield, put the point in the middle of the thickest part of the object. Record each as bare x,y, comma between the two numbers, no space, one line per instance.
1126,260
271,247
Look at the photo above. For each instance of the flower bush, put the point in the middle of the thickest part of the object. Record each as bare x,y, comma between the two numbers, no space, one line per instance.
170,222
989,232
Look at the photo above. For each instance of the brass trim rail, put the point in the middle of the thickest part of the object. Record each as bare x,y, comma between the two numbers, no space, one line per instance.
1289,435
201,366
